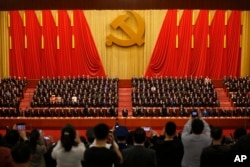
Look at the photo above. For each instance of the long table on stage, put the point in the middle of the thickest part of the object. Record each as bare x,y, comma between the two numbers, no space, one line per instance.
131,122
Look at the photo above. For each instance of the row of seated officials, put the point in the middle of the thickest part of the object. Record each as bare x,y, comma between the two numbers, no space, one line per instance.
177,102
174,92
11,90
238,90
162,85
113,112
76,92
136,81
75,101
60,112
233,84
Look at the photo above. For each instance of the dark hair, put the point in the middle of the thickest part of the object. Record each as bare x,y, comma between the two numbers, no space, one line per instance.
216,133
11,138
68,135
1,140
139,135
34,137
121,138
90,135
238,132
129,139
197,126
170,128
21,153
101,131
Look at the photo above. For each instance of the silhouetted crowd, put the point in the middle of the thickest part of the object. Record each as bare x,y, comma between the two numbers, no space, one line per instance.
198,145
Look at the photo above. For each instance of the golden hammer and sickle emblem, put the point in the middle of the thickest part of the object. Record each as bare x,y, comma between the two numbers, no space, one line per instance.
134,38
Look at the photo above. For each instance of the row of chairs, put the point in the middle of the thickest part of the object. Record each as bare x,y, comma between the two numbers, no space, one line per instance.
113,112
71,112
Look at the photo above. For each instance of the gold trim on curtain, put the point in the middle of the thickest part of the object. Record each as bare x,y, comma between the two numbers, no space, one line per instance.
245,53
4,44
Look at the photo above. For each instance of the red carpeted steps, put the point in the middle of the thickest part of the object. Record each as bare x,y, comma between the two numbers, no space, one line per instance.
28,94
125,100
225,101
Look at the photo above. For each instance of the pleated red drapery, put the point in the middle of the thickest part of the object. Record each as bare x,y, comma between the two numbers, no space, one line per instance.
16,58
48,45
62,47
165,49
233,33
33,45
185,31
85,57
200,52
202,49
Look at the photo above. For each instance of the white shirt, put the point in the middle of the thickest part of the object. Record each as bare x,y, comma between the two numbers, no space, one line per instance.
72,158
74,99
108,146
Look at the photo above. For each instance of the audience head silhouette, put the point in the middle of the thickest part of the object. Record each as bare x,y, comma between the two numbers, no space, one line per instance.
216,133
170,128
12,137
21,153
239,132
68,136
101,131
139,136
197,126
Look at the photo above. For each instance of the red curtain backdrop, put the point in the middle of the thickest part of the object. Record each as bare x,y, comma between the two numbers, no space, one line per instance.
63,56
233,41
57,46
85,57
200,52
184,50
203,49
32,54
164,58
217,33
17,50
68,48
48,56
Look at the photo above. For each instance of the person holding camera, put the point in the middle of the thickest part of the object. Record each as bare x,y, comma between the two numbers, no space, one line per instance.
69,150
38,148
195,136
103,151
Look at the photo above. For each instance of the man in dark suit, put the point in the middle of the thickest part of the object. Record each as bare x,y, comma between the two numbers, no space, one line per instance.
217,154
138,155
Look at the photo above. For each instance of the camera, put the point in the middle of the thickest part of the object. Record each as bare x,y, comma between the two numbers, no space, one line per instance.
146,129
46,137
194,114
21,126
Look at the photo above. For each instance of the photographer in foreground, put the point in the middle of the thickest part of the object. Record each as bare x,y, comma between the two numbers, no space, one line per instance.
195,136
